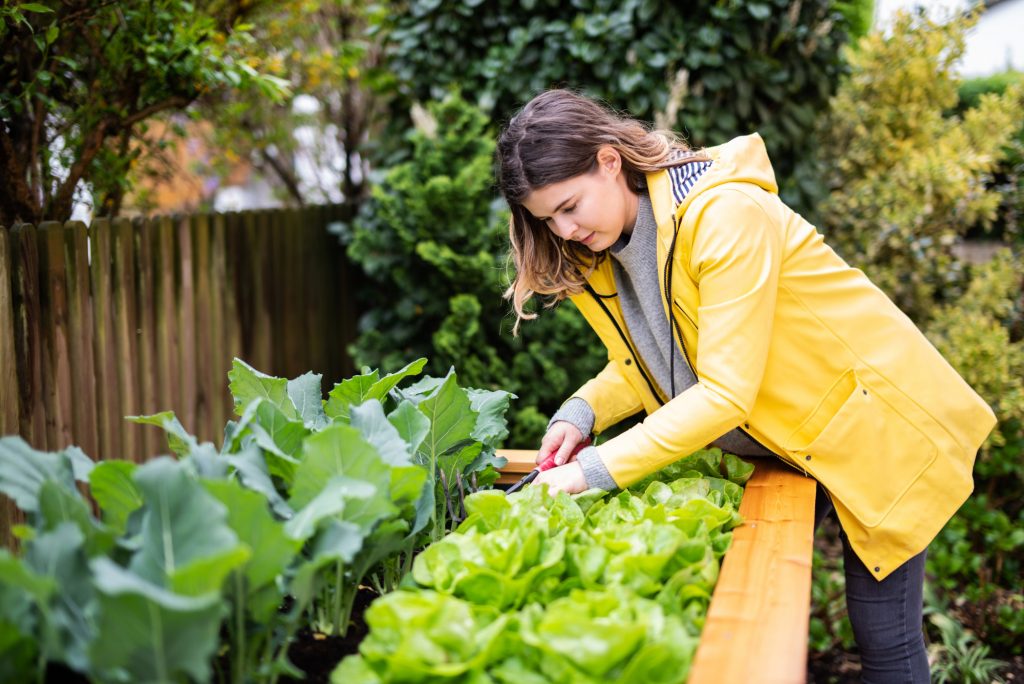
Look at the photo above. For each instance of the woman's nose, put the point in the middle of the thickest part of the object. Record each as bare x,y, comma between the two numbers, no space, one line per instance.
565,228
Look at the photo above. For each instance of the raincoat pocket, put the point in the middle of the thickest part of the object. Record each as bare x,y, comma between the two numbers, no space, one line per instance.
861,448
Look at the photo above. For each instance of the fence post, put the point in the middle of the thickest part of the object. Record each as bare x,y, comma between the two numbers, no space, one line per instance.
54,317
225,328
168,390
204,316
28,341
257,255
144,339
108,399
10,406
80,338
185,321
125,327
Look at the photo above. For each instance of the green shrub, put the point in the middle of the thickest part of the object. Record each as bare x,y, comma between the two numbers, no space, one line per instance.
971,90
432,241
710,69
1008,176
974,336
906,180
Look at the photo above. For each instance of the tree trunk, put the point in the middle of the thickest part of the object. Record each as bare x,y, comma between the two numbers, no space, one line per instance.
16,201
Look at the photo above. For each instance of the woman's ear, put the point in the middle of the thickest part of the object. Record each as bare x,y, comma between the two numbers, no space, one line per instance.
609,160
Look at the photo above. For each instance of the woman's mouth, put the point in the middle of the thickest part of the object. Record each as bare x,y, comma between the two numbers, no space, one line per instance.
587,240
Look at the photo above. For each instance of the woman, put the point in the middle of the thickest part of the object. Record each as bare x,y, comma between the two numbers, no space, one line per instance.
729,321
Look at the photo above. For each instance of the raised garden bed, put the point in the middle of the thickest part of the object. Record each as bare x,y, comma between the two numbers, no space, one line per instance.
757,623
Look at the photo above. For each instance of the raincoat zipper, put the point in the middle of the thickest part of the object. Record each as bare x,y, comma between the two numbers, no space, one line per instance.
622,334
682,343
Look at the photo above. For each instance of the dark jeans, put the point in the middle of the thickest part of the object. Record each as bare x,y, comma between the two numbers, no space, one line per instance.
886,615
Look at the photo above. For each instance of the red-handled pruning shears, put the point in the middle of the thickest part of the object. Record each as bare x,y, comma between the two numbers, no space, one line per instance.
547,464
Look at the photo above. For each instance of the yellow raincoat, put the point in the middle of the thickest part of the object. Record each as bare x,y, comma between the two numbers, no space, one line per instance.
798,349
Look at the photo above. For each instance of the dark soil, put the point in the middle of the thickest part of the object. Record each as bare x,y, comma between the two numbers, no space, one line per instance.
833,667
318,654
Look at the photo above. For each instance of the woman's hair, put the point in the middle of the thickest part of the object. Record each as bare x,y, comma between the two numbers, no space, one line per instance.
555,137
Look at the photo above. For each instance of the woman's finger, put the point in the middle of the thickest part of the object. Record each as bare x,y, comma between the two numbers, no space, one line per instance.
565,450
548,446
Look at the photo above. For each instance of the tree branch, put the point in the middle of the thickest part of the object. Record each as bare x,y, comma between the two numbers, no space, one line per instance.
170,103
60,207
284,174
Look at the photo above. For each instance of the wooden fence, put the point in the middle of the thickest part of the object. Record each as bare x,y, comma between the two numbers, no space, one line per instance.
129,317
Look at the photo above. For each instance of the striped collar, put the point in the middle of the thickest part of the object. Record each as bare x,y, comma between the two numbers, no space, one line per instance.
684,177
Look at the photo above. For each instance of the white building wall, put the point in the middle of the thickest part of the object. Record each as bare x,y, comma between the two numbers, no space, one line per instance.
995,44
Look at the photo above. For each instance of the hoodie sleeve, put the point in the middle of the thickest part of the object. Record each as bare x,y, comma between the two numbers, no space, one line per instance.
732,247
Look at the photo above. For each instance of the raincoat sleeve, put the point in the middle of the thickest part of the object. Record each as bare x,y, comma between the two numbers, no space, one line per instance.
731,246
610,396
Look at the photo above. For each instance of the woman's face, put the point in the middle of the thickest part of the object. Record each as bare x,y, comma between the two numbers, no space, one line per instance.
593,208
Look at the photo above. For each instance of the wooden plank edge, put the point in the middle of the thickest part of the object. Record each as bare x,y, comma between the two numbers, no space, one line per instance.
520,462
757,623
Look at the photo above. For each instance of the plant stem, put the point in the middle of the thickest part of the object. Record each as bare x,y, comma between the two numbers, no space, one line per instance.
343,615
239,671
337,599
282,655
448,499
462,497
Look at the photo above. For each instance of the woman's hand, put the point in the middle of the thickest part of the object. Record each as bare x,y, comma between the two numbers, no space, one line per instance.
561,440
568,478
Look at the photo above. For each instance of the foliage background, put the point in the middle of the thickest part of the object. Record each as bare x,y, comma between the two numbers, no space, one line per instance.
711,70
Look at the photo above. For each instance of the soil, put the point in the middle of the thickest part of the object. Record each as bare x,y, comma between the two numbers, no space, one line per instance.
318,654
833,667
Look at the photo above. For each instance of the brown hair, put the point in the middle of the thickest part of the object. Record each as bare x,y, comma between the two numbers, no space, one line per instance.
556,136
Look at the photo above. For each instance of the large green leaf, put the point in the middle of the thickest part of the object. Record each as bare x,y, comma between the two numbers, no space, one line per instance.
67,627
390,537
452,421
186,542
21,590
354,390
339,540
491,427
338,450
421,389
305,393
81,464
359,497
251,469
412,425
236,431
360,388
23,582
113,488
57,505
23,470
280,436
375,428
152,634
247,384
179,440
202,458
271,549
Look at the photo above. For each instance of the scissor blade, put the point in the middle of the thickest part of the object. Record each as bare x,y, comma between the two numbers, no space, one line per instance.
530,477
